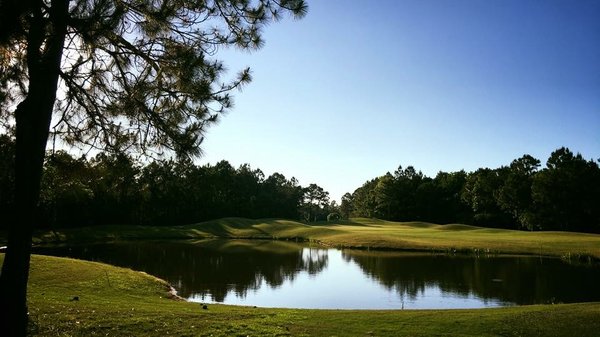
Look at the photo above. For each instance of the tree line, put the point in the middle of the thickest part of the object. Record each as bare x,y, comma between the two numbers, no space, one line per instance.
115,189
564,195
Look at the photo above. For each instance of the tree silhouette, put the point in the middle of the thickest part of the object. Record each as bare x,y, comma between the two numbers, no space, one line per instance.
129,75
316,201
514,196
566,194
7,179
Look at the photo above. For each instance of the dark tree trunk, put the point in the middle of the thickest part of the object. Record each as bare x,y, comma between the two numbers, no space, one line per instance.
33,115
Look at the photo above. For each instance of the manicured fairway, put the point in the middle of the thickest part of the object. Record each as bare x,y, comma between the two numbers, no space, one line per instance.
359,233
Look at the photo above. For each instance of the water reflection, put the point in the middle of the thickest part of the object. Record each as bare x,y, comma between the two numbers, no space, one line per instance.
508,279
284,274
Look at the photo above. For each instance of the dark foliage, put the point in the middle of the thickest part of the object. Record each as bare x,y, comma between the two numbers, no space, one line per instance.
563,196
114,189
7,179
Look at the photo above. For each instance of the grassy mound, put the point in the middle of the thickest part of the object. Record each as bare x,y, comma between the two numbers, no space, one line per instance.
357,233
457,227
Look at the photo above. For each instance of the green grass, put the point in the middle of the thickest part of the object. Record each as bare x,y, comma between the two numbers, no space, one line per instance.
121,302
358,233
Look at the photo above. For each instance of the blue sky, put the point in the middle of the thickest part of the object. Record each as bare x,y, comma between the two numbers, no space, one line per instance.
357,88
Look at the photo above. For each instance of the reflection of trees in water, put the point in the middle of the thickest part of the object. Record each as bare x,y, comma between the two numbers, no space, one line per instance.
314,260
520,280
212,268
217,267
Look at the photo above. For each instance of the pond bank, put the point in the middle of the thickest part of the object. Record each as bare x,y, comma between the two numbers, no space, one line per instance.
285,274
117,301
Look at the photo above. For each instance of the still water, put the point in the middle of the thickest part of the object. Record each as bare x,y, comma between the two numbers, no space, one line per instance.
285,274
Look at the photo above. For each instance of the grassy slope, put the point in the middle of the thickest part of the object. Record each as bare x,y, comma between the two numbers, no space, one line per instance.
360,233
120,302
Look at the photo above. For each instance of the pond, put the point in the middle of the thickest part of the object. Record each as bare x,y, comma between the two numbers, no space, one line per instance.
285,274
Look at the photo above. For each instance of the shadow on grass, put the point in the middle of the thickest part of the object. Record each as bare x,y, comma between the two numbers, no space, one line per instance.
457,227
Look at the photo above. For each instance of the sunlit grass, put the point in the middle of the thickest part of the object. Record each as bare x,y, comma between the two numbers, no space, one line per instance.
115,301
358,233
119,302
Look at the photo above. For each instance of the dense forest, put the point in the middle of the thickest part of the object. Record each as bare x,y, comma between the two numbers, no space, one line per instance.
565,195
115,189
